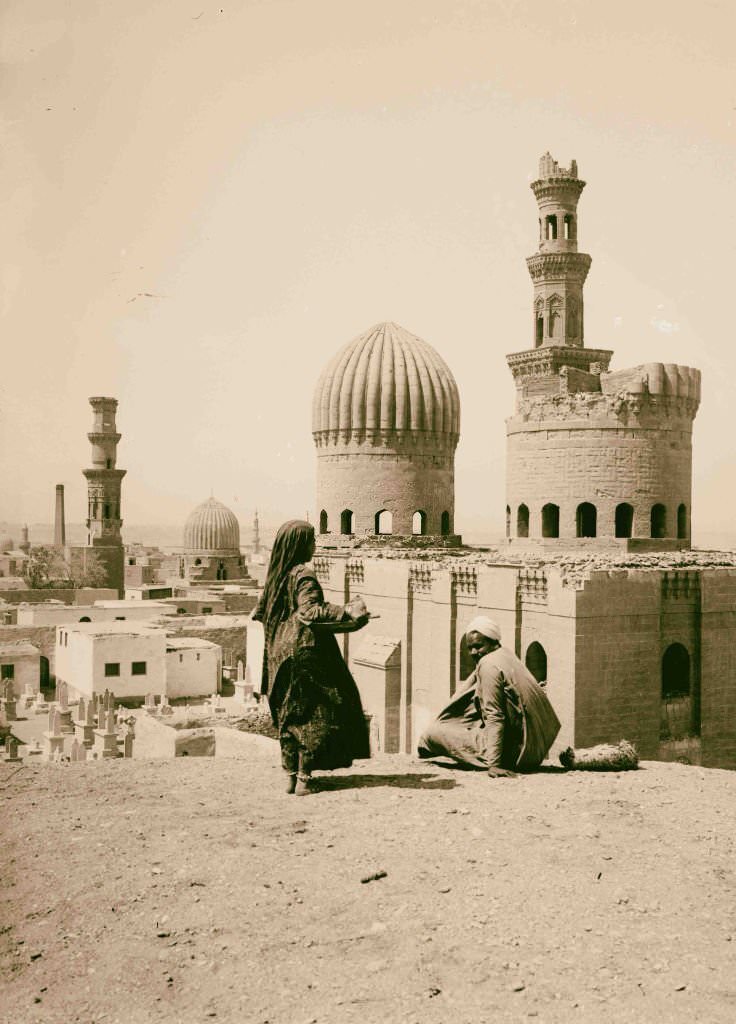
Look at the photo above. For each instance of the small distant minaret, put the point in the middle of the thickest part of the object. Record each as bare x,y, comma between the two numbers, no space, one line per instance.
24,545
59,523
256,545
103,479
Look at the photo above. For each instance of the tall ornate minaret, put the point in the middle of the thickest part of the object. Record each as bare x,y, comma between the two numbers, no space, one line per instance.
558,272
103,479
103,491
593,458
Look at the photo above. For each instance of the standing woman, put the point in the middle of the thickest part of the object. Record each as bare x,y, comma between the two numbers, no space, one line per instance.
315,704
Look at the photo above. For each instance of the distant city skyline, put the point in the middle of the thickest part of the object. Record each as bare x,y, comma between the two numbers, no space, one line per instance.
202,210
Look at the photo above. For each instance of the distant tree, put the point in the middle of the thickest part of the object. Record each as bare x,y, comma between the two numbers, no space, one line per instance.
44,568
86,569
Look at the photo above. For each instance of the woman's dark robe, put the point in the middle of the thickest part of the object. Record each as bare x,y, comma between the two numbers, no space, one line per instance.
311,693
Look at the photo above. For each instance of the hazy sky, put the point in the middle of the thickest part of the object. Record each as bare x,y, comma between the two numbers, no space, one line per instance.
201,202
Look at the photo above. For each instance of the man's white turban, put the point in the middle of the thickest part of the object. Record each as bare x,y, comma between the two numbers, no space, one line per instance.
487,627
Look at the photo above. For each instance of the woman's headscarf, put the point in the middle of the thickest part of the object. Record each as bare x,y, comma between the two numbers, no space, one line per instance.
291,547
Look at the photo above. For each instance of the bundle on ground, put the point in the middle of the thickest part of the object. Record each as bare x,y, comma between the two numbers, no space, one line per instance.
606,757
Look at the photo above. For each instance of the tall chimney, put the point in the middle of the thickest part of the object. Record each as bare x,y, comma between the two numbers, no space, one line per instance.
59,524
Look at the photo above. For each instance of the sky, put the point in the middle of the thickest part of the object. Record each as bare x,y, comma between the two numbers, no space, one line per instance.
202,202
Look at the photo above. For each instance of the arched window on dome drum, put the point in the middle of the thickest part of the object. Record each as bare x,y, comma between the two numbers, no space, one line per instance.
551,520
384,522
346,521
658,521
586,519
419,523
682,522
445,524
323,521
522,521
536,661
624,519
508,521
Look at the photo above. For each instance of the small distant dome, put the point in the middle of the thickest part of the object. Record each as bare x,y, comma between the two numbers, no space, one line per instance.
386,380
212,527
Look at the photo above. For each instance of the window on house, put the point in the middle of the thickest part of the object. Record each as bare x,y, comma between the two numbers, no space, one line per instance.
138,668
197,657
112,668
181,657
206,610
85,618
7,671
120,618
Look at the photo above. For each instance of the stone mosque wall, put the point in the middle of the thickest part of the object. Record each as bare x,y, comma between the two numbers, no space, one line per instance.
647,654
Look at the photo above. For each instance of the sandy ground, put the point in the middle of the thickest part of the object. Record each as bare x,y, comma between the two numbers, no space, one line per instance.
195,890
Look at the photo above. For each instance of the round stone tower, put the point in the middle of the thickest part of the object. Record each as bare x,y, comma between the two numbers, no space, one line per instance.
593,458
386,422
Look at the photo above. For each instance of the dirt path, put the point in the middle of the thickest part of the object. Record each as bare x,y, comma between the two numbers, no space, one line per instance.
195,890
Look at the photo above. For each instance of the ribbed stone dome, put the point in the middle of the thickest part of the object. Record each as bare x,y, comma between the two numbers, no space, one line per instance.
386,380
212,527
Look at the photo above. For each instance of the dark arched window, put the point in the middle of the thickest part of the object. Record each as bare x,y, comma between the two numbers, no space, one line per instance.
675,672
384,522
682,522
419,523
346,521
323,521
85,618
44,670
197,561
586,519
551,226
106,511
624,519
659,521
445,525
536,661
551,520
508,521
569,226
522,521
538,328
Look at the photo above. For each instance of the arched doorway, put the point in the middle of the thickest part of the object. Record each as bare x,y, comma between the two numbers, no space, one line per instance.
624,519
551,520
522,521
586,519
658,521
44,673
419,523
445,524
346,521
682,522
384,522
536,661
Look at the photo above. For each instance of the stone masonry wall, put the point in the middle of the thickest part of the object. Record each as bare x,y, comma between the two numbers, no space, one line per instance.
367,482
718,668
